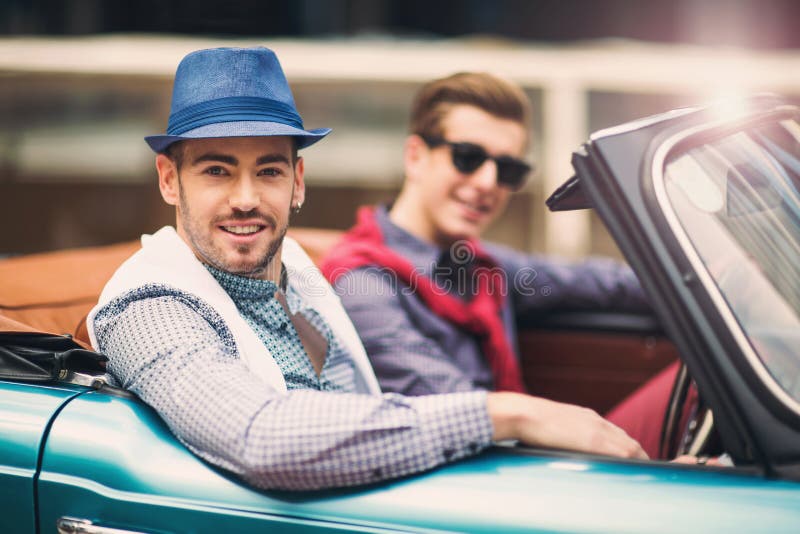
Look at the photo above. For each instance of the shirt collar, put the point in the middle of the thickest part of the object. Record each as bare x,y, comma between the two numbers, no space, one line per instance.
422,255
243,287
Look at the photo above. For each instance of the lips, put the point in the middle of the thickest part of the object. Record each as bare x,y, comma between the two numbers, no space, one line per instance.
474,211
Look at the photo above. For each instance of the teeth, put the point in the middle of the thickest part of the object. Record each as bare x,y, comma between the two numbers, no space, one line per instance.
242,229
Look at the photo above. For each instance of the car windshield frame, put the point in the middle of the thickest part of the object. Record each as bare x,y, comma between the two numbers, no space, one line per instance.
681,143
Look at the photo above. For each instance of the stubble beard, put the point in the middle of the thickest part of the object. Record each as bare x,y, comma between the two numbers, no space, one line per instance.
213,256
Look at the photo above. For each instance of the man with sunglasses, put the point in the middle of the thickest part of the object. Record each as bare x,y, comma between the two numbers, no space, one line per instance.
435,307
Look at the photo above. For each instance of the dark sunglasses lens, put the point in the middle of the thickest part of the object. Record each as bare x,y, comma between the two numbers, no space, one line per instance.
512,173
467,157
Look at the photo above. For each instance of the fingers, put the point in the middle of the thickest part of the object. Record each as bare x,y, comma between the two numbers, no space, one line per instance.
698,460
605,437
544,423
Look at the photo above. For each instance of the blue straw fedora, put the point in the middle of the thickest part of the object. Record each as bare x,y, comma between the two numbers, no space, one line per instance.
232,92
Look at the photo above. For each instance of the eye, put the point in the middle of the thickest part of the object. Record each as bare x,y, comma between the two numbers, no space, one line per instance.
216,170
468,157
270,171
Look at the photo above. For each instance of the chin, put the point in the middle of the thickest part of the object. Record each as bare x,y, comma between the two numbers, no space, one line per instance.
460,233
249,270
452,227
472,229
236,263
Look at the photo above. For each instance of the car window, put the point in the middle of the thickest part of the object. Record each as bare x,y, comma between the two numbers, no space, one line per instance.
737,199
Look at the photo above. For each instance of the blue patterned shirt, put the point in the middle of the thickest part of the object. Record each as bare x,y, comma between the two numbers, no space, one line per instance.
176,353
255,300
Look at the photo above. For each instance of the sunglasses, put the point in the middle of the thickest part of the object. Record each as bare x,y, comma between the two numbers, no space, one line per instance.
468,157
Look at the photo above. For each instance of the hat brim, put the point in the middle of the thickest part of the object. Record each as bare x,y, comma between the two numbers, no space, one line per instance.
159,143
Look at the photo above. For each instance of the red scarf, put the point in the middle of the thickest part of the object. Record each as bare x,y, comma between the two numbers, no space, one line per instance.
363,245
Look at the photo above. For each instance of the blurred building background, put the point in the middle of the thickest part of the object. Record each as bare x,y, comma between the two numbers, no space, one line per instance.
82,81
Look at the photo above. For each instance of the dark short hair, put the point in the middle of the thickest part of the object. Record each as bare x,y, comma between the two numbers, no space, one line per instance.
175,153
496,96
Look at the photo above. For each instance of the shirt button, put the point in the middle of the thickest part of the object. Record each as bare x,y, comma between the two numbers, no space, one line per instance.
473,447
448,454
377,473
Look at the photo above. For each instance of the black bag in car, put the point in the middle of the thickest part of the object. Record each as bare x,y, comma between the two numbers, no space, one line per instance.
45,357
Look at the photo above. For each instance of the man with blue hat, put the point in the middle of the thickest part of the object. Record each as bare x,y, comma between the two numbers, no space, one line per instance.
226,328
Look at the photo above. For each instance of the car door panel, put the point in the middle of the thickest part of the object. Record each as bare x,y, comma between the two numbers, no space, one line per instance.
25,413
592,358
593,369
112,461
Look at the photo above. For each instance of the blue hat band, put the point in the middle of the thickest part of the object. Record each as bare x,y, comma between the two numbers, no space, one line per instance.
232,109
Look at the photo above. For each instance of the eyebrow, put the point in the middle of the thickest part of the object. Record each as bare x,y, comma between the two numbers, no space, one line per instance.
222,158
272,158
230,160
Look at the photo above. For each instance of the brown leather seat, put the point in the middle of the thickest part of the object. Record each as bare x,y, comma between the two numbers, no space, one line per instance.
54,291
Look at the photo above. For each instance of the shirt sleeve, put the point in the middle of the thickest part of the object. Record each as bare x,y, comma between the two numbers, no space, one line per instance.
403,357
537,283
164,351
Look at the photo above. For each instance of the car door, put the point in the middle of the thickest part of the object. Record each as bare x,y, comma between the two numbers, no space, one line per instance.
704,205
111,463
26,411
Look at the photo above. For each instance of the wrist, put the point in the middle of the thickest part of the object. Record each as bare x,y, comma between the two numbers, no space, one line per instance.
505,414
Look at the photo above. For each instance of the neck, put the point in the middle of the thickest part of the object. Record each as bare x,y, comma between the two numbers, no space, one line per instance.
409,214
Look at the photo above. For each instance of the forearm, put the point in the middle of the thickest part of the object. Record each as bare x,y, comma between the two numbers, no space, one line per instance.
311,440
594,284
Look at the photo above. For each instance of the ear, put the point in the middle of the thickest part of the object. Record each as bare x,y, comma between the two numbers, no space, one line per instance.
415,157
168,179
299,195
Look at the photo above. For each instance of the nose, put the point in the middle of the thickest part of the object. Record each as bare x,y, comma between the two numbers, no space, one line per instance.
485,176
243,195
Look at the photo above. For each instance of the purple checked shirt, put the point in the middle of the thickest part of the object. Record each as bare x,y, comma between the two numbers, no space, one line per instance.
416,352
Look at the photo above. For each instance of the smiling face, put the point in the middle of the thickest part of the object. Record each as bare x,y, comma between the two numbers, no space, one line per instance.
233,197
441,204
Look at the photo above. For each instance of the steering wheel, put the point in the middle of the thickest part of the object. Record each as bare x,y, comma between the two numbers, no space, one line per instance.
688,424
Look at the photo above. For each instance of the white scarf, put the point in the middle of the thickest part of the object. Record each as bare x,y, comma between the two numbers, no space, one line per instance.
166,259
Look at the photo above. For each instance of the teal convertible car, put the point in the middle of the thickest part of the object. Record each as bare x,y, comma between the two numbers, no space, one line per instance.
705,205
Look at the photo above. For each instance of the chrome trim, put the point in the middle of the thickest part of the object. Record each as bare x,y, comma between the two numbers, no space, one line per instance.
677,397
83,379
702,435
692,255
74,525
